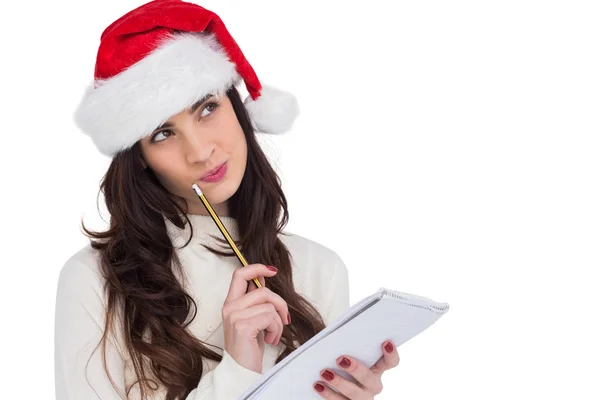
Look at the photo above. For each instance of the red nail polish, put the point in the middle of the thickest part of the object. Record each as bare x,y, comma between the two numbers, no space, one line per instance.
289,319
271,268
319,387
344,363
389,347
327,375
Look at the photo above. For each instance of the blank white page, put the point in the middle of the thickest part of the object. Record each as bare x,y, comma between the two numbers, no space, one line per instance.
359,332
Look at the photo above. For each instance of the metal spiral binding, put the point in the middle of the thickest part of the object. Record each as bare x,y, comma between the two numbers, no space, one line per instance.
415,301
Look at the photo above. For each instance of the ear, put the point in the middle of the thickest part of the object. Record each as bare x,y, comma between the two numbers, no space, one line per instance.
144,164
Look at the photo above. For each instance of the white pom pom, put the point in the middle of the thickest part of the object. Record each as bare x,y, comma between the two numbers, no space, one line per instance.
274,111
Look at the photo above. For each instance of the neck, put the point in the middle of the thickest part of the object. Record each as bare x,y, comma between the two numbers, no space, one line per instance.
204,227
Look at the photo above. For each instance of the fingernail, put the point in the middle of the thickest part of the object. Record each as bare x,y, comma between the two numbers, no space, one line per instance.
319,387
289,319
389,347
271,268
344,363
327,375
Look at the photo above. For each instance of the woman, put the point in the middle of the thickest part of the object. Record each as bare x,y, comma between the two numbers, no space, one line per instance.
157,306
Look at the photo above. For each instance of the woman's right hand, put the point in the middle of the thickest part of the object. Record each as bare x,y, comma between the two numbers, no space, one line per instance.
247,314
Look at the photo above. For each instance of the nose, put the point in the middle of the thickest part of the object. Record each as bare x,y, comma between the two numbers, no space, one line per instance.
197,149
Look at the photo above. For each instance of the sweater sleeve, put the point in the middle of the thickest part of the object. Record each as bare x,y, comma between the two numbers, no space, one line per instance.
79,369
339,295
228,381
78,328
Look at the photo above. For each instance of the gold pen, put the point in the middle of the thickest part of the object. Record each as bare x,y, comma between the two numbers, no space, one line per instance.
223,230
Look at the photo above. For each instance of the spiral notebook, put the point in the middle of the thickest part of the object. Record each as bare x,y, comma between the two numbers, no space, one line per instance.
359,332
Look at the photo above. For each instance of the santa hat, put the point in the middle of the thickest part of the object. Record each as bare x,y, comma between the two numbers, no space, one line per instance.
159,59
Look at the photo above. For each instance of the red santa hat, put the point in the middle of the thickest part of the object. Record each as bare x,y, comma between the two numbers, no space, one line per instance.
159,59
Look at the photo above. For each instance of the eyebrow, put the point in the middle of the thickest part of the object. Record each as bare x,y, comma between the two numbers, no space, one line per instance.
191,110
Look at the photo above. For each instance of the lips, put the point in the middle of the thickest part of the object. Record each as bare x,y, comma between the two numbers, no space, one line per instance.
216,174
212,171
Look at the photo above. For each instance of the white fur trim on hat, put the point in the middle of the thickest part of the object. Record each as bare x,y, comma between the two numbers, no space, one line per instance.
274,111
129,106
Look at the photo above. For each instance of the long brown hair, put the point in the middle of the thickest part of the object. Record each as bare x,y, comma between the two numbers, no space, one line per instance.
138,261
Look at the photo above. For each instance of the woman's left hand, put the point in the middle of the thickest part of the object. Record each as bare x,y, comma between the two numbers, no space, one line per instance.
369,379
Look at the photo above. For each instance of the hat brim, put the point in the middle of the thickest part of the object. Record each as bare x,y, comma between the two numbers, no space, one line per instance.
119,111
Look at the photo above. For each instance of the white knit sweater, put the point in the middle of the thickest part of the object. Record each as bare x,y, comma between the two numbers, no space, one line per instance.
318,273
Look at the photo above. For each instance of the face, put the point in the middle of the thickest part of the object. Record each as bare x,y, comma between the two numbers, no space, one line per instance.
190,145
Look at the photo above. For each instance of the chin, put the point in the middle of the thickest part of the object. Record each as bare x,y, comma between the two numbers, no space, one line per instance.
217,194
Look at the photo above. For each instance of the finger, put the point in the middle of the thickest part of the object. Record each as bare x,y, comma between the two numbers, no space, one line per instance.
241,277
326,392
249,313
252,285
252,327
261,296
370,382
389,360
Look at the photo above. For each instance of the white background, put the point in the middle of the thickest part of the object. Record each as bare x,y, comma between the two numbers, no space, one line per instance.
447,149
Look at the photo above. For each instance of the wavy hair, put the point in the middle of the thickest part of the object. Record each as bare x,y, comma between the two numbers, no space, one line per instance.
138,262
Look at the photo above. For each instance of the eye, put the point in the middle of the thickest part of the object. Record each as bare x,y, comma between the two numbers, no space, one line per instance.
210,107
155,137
